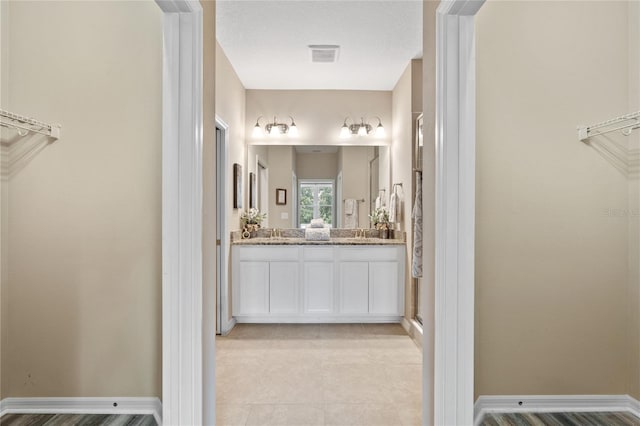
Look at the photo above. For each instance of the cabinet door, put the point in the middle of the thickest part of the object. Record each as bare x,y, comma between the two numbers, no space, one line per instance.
254,287
354,287
318,287
283,287
383,288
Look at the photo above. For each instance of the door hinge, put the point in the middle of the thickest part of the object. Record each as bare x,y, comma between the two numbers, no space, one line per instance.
217,242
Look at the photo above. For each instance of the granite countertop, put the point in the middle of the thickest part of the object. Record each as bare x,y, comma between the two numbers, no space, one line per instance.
260,241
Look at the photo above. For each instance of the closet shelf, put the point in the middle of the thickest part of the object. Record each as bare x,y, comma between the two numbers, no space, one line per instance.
25,125
626,124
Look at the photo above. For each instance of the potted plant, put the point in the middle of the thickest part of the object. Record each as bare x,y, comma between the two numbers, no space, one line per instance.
380,219
250,221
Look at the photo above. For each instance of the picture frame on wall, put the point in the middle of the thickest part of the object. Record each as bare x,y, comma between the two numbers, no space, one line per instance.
281,196
237,186
252,191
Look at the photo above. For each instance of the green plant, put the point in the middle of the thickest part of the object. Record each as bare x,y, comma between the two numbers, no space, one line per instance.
252,217
380,218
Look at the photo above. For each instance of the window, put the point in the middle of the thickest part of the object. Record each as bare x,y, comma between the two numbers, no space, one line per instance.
315,200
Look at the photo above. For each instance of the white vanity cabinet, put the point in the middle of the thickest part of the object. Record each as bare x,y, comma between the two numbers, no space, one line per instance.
324,283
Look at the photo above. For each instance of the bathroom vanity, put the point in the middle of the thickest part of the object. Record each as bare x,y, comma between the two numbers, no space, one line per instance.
294,280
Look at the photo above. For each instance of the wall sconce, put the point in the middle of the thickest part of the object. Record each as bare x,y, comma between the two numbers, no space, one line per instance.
361,129
275,129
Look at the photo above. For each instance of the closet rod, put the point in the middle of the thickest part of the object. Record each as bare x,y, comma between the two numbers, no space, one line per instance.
28,124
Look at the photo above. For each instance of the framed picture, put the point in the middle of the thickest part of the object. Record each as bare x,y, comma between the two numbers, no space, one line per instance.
252,191
237,186
281,196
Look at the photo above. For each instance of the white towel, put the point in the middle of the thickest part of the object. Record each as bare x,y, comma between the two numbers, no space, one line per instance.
416,261
317,223
349,205
393,208
317,234
378,202
350,213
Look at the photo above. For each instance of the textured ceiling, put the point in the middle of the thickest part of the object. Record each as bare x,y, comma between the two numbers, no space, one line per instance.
266,42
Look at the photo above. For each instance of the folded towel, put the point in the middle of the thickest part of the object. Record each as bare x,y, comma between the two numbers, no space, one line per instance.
317,234
317,223
393,208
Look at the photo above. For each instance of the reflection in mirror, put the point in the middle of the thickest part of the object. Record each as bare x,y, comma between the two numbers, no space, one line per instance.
339,184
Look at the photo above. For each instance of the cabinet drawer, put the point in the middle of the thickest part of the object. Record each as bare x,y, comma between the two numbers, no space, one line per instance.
267,253
368,253
317,253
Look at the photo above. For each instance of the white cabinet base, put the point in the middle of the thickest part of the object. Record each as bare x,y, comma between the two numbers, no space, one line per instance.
356,319
308,284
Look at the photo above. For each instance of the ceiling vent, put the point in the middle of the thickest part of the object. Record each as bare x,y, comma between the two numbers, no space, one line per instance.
324,53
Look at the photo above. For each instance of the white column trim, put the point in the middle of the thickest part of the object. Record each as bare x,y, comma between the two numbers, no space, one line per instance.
182,298
455,213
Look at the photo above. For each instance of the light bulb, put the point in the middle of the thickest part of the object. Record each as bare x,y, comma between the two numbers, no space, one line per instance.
275,131
380,131
293,129
257,130
344,131
362,131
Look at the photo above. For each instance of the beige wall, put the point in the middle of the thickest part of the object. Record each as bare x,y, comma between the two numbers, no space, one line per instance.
406,107
209,213
634,203
319,114
84,266
4,90
280,166
356,165
230,107
317,166
551,263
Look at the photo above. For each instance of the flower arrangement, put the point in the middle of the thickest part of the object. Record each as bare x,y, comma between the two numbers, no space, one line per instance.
380,218
251,219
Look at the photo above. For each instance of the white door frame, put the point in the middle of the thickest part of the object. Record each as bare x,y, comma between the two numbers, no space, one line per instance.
186,338
454,214
223,188
187,341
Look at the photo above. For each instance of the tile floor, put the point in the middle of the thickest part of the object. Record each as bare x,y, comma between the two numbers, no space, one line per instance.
318,374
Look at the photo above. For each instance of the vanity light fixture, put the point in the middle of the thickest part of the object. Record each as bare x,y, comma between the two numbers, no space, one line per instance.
361,129
275,129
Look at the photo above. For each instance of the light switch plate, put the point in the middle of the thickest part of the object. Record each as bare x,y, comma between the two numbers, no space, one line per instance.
284,215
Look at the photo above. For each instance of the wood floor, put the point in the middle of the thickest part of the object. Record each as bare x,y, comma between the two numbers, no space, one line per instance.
77,420
560,419
318,374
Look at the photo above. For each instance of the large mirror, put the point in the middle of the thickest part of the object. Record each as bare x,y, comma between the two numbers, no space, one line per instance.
340,184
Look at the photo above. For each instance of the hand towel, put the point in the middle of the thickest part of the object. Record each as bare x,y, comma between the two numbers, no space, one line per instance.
393,208
350,213
416,260
378,202
317,223
317,234
349,205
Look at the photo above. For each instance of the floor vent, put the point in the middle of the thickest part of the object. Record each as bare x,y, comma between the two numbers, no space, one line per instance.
324,53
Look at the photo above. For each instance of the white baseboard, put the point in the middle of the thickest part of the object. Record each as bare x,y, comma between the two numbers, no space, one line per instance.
414,330
102,405
553,403
226,328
